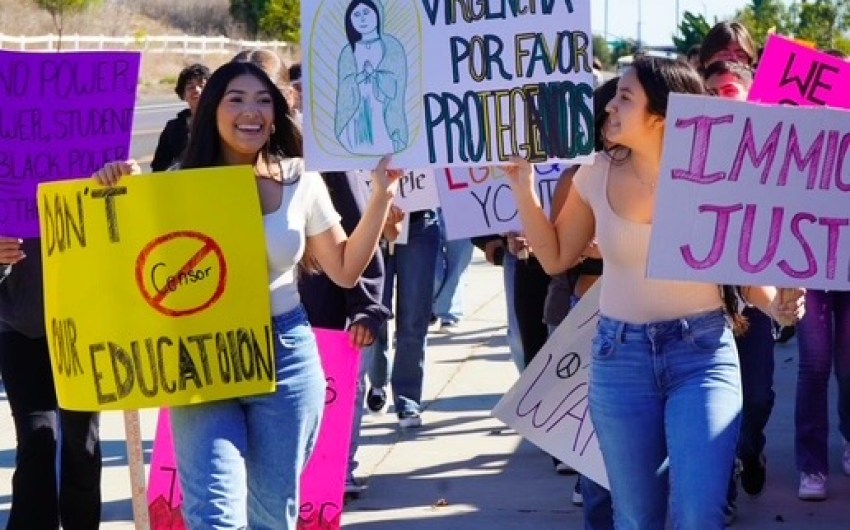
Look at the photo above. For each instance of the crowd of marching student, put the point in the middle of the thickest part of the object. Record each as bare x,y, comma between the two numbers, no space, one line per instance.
690,366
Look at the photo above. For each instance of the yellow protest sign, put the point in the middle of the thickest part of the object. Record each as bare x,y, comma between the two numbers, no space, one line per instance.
156,290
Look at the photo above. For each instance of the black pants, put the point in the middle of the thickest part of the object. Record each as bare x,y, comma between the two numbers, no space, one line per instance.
36,504
531,285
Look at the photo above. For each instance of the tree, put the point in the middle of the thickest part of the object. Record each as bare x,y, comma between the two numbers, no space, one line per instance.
601,50
250,13
283,20
822,21
693,30
761,17
622,48
59,9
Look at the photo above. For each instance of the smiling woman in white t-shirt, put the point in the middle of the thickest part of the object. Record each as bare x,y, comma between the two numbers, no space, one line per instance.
240,460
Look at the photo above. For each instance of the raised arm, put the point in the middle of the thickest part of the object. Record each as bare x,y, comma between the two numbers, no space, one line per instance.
557,245
344,259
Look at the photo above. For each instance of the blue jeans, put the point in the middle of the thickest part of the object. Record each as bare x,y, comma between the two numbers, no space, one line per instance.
359,396
413,267
823,336
453,259
596,504
514,341
665,399
240,460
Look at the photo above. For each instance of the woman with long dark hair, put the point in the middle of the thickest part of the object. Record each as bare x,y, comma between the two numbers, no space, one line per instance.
240,460
665,386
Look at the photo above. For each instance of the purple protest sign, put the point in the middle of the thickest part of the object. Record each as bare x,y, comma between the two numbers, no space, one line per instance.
63,116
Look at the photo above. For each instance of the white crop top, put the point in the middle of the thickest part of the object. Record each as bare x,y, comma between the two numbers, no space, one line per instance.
305,210
627,294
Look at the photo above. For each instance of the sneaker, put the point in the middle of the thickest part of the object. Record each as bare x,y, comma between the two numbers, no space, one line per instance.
730,512
409,420
754,475
376,399
812,487
353,487
845,458
562,468
577,498
448,326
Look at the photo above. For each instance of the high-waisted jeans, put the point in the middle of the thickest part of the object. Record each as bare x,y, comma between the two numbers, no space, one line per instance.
665,399
240,460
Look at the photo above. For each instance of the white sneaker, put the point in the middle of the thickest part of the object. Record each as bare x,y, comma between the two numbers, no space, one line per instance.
812,487
845,459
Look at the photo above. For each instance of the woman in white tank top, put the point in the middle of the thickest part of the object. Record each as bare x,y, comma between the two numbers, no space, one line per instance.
665,387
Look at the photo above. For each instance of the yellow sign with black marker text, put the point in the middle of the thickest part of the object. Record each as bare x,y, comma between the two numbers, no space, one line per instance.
156,290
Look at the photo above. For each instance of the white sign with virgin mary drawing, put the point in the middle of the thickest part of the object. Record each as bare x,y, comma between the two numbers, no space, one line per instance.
439,83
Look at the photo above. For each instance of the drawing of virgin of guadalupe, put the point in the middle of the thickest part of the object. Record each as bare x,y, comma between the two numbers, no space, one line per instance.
370,116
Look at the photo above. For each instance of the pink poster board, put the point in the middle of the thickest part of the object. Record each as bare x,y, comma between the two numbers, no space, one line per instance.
323,481
793,74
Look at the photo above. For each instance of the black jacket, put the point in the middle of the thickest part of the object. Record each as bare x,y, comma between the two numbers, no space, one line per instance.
331,306
22,294
172,142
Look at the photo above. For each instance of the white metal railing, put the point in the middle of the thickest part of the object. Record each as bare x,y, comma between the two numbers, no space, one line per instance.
185,44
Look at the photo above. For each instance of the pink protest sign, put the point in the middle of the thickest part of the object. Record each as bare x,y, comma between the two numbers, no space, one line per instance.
793,74
63,116
323,481
164,494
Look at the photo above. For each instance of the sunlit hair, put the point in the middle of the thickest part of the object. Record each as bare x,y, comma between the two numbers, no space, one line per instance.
660,76
204,149
721,36
603,95
195,72
267,60
742,72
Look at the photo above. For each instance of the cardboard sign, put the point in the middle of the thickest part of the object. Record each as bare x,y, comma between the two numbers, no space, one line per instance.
157,289
323,481
417,189
479,201
446,84
548,404
794,74
753,195
63,115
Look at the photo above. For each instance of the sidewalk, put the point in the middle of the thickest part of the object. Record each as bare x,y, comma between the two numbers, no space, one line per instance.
465,470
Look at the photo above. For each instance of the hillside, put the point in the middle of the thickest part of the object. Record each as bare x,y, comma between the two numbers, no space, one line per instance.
132,17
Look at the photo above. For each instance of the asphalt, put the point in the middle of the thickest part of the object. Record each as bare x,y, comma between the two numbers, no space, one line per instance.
465,470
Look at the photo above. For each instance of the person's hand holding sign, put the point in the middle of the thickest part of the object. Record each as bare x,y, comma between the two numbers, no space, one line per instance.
10,250
111,172
788,306
520,174
385,180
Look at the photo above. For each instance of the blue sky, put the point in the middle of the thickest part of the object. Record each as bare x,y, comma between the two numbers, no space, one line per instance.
658,20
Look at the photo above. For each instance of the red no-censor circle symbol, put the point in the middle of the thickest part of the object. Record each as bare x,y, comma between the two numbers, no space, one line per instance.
181,275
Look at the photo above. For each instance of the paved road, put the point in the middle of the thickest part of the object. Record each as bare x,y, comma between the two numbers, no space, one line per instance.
464,470
150,118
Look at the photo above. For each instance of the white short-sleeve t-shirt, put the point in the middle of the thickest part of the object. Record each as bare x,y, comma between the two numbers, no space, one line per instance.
305,210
